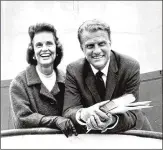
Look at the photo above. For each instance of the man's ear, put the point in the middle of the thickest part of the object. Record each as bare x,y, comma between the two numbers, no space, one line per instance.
81,47
110,42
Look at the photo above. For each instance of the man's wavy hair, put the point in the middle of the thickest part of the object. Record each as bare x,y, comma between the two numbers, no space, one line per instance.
93,26
41,27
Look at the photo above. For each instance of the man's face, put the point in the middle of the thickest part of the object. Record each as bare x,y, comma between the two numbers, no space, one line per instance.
44,48
96,47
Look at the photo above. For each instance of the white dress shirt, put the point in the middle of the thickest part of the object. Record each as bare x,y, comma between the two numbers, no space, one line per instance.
104,71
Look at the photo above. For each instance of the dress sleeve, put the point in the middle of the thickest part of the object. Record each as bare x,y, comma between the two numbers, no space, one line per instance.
23,116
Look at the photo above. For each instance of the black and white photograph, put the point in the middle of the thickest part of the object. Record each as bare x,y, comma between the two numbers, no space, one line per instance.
81,75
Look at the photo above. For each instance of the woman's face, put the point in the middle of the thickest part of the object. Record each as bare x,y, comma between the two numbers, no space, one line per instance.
44,48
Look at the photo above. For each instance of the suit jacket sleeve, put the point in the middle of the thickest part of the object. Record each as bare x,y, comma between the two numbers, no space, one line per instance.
129,119
72,97
138,119
133,81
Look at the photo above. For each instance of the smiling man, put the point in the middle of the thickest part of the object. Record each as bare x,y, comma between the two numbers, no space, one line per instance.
101,76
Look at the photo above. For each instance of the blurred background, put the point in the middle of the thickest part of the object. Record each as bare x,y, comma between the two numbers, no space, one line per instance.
136,31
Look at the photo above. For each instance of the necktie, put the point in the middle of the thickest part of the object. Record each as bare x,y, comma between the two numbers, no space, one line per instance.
100,85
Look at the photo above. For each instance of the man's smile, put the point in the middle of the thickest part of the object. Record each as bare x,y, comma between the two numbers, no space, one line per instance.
98,57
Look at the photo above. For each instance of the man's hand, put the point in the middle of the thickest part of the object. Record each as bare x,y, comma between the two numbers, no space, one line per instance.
66,126
94,111
94,122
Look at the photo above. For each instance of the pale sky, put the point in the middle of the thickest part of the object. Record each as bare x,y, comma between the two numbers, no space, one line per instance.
136,29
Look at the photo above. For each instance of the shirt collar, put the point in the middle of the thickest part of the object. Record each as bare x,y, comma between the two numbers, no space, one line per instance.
33,78
104,70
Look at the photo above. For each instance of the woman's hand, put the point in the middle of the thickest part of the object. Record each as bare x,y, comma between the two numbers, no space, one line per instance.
62,123
66,126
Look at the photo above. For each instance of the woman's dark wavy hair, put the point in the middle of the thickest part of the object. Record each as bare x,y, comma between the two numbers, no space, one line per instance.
40,27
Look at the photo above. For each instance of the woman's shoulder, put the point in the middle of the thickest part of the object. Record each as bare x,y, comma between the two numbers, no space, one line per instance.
20,77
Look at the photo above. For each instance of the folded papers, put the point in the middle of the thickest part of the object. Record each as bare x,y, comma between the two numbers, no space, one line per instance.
122,105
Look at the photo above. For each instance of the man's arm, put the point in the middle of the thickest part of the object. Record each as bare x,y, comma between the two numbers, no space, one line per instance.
126,120
72,102
129,119
72,97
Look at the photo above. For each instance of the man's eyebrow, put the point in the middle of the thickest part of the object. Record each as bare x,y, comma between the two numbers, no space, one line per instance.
103,41
38,43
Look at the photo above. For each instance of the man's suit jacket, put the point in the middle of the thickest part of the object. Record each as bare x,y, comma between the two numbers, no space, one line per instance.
123,78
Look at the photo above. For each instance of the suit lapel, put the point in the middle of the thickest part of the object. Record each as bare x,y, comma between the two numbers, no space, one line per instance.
90,82
111,77
111,81
110,84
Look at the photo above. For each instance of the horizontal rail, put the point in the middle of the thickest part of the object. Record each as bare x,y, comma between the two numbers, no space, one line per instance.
34,131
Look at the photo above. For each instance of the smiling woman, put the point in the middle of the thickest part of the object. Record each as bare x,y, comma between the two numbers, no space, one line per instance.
37,93
45,50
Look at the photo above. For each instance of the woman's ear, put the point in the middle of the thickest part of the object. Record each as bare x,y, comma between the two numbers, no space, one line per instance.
30,47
